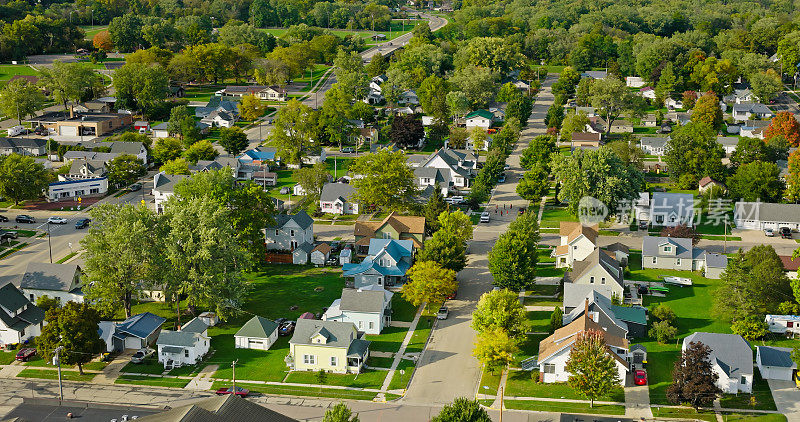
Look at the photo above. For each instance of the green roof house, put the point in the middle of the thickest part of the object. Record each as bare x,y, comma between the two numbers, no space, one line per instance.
259,333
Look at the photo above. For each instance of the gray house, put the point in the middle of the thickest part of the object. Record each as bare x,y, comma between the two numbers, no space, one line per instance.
620,321
671,209
599,268
675,253
386,264
731,359
136,332
60,281
762,215
653,145
337,198
289,231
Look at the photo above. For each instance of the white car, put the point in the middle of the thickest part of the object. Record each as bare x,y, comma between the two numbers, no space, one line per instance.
443,313
769,232
485,217
141,355
57,220
455,200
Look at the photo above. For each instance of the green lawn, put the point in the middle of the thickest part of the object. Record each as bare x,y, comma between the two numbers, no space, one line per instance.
319,71
7,357
539,321
556,214
201,93
91,31
566,407
543,289
95,366
366,379
402,375
543,255
490,382
377,362
151,366
420,336
339,165
301,391
257,365
550,271
529,347
686,413
9,70
52,374
761,393
152,381
543,301
525,384
389,340
402,310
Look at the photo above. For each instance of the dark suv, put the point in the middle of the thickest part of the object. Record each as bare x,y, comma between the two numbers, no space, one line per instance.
23,218
785,232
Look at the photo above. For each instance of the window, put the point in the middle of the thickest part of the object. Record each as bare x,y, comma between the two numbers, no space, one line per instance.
602,280
655,260
743,381
291,233
371,325
333,360
667,249
387,235
277,232
360,324
309,359
591,280
549,368
93,191
789,324
677,261
186,353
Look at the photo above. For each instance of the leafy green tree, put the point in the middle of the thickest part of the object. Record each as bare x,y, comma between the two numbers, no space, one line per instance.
500,309
462,410
512,260
751,327
181,122
377,65
22,178
554,116
200,150
385,180
663,312
434,206
126,32
292,131
175,166
714,75
141,87
495,349
749,150
73,327
120,255
593,371
20,99
432,95
251,107
125,169
457,103
233,139
446,249
70,82
628,152
312,179
766,85
350,74
47,303
166,149
539,152
534,184
272,72
757,181
573,122
612,97
493,53
477,83
707,111
340,413
457,224
428,282
556,319
666,83
458,138
693,149
662,331
693,378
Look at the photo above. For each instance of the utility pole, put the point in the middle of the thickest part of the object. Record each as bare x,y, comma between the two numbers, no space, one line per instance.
49,245
233,365
58,363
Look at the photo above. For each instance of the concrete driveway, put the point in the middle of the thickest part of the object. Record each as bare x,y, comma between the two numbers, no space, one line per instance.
787,398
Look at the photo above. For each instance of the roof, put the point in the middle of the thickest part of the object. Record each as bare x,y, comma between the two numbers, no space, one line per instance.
177,338
258,327
140,325
634,314
789,264
573,229
751,108
767,212
586,136
196,325
618,247
664,203
654,141
728,140
706,180
598,257
15,143
224,408
575,294
163,182
358,348
337,333
304,247
775,356
363,300
13,300
44,276
565,336
650,246
486,114
715,260
302,219
397,249
333,191
322,247
132,148
731,351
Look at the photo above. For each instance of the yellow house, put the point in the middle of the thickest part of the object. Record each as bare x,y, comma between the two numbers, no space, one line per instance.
332,346
397,227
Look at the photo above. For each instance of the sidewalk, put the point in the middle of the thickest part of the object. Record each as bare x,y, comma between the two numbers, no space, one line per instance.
399,356
202,381
637,402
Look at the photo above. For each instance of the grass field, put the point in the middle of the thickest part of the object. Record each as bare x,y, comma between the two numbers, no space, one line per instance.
762,395
402,375
9,70
539,321
543,289
566,407
387,341
524,384
301,391
152,381
529,347
7,357
366,379
91,31
402,310
377,362
490,382
420,336
52,374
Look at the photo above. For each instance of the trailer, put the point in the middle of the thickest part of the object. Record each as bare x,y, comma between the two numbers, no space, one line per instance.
680,281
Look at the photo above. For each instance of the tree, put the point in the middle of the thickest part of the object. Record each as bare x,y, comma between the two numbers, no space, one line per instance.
593,371
662,331
751,327
707,111
428,282
458,138
512,260
407,131
627,151
793,179
312,179
70,82
757,181
340,413
573,122
385,180
666,83
22,178
681,231
539,152
477,83
534,184
292,131
693,149
432,94
693,379
456,223
125,169
433,207
784,124
462,410
766,85
749,150
272,72
102,41
176,166
714,75
250,107
500,309
612,97
141,87
445,249
663,312
233,139
350,73
181,122
200,150
753,284
166,149
554,117
599,174
689,99
47,303
74,328
120,255
20,99
495,349
556,319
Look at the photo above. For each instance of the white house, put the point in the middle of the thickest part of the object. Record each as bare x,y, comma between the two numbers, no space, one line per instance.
762,215
731,359
60,281
577,242
746,111
258,334
654,145
337,198
369,308
219,119
452,169
728,143
186,346
298,190
754,128
775,363
320,254
164,188
599,268
345,256
137,332
707,183
74,189
408,98
160,130
648,92
20,319
289,231
479,118
739,96
634,82
672,104
783,324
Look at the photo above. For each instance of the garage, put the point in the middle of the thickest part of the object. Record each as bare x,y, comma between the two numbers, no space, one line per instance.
255,344
775,363
257,334
68,130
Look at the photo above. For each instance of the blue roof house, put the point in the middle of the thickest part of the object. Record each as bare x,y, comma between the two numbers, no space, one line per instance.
386,264
136,332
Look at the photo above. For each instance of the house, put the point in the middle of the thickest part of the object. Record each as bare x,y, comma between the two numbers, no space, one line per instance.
265,178
739,96
137,149
320,254
337,198
74,189
746,111
754,128
634,82
408,98
680,118
641,207
586,139
762,215
649,120
394,226
672,253
176,91
186,346
648,92
596,124
472,144
588,111
81,124
599,268
386,264
775,363
788,325
219,119
345,255
373,98
498,110
20,319
595,74
137,332
555,349
731,359
289,232
479,118
332,346
141,126
210,318
302,253
790,265
164,188
621,126
224,408
160,130
654,145
23,146
452,169
621,321
219,105
59,281
714,264
258,333
621,252
728,143
707,183
82,169
673,104
369,308
577,242
313,157
575,294
672,209
270,93
259,156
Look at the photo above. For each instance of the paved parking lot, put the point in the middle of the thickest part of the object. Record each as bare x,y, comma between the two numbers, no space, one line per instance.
787,398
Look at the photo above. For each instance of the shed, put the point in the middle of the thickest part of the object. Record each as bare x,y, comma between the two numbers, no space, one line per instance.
639,354
775,363
300,254
344,256
320,254
210,318
258,334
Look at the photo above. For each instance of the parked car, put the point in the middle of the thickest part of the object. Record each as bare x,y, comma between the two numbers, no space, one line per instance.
280,321
141,355
786,233
521,210
769,232
242,392
3,219
26,354
455,200
485,217
348,150
285,190
82,223
8,235
506,167
56,220
640,377
453,295
24,218
134,187
286,329
443,312
332,260
502,178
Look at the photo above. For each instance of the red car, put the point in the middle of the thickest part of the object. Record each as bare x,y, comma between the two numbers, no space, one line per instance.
640,377
25,355
453,295
243,392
